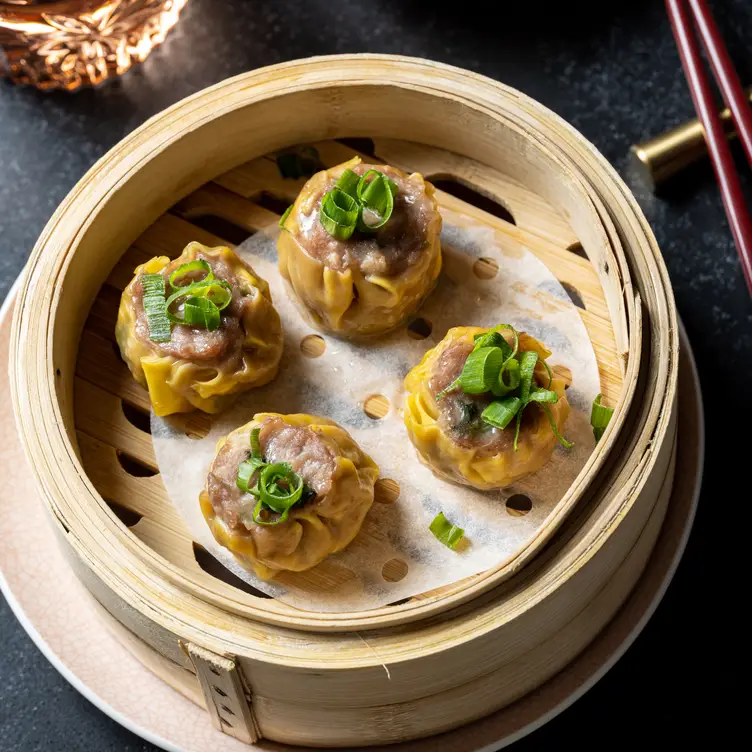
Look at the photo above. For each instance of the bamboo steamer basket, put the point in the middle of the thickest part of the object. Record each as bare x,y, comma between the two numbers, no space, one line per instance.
264,670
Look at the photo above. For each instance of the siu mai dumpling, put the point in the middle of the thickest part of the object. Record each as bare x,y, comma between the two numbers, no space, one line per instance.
198,330
285,491
360,247
483,408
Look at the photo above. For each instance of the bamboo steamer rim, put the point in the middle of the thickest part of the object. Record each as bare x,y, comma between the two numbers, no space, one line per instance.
126,154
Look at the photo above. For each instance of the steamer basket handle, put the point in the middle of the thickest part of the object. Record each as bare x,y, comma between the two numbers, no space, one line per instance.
227,700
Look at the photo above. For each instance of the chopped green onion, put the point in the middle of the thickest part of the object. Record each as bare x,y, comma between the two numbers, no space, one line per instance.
259,520
201,312
501,412
155,307
199,265
278,487
256,444
481,370
217,292
339,214
600,416
446,533
376,197
543,395
509,378
245,473
566,444
348,182
528,359
493,338
284,217
443,393
549,372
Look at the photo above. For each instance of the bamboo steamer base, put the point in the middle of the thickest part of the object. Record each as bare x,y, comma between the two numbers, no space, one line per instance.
414,668
112,411
106,673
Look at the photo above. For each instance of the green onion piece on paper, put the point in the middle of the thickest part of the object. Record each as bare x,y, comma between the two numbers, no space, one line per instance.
481,370
339,214
199,265
446,533
348,182
155,307
284,217
600,416
202,313
500,413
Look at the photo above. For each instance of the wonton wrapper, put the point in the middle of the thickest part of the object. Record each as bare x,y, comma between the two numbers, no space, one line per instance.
349,302
448,459
314,529
177,385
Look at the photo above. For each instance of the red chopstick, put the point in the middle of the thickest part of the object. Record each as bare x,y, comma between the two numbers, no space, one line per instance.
724,73
699,86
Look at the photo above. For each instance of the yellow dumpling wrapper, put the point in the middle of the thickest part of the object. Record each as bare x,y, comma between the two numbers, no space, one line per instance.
350,302
178,385
315,529
471,465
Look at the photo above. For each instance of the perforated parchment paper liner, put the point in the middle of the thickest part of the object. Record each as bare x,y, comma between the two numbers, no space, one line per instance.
395,556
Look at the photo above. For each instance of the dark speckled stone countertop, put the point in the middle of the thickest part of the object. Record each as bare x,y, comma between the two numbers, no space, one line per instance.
615,75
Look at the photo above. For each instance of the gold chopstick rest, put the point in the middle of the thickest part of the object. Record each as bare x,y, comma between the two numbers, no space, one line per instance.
665,155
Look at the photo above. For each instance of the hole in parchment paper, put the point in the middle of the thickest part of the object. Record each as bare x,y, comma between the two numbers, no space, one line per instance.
419,328
220,692
312,346
225,722
574,295
564,373
394,570
134,467
194,425
386,491
485,268
376,406
465,192
215,671
128,517
137,417
212,567
227,710
519,505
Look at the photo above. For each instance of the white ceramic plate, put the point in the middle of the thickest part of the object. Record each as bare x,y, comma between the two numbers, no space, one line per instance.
58,616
